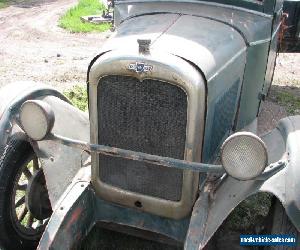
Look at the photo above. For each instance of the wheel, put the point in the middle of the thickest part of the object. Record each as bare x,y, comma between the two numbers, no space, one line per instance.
24,203
282,225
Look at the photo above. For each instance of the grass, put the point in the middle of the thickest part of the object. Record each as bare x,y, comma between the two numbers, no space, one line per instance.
249,213
71,19
289,101
3,3
78,97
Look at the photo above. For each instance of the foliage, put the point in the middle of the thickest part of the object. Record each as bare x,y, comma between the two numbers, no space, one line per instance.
289,101
249,213
72,22
78,97
3,3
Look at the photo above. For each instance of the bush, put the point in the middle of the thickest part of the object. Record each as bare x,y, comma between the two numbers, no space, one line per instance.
78,97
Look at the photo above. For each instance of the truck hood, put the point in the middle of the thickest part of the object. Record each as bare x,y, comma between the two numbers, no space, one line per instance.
206,43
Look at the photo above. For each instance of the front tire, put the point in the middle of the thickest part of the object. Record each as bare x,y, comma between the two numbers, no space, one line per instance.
19,228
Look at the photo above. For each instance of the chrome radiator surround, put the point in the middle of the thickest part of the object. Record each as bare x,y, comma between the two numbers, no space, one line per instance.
170,69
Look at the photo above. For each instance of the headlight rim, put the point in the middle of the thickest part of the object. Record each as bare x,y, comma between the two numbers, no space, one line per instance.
47,113
253,136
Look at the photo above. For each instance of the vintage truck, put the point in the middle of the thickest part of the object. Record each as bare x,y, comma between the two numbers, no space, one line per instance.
169,147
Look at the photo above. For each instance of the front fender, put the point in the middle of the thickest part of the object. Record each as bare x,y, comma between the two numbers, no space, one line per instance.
283,143
287,184
60,163
12,97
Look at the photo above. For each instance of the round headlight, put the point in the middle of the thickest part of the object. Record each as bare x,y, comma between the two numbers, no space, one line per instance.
244,155
37,119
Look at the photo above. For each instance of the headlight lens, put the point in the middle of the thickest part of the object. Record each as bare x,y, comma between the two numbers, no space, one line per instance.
37,119
244,155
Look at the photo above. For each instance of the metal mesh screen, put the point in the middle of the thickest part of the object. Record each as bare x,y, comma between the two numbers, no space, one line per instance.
149,117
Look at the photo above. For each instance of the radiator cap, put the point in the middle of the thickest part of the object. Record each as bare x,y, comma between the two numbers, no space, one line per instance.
144,46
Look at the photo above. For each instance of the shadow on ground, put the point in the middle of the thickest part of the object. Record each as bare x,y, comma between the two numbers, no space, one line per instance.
104,239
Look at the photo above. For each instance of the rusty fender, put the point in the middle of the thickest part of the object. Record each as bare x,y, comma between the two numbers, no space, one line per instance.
216,203
60,163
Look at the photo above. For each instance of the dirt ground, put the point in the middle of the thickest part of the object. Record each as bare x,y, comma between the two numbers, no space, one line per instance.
32,47
284,95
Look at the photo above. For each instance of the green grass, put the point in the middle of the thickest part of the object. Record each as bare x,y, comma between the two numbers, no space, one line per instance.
3,3
72,22
289,101
78,97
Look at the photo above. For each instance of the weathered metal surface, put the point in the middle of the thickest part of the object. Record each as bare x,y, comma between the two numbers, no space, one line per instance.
270,138
221,53
79,209
57,158
221,26
216,201
12,97
259,71
289,196
273,50
197,225
109,212
253,26
228,54
282,181
215,48
170,69
72,219
150,117
222,105
248,4
276,145
138,156
254,79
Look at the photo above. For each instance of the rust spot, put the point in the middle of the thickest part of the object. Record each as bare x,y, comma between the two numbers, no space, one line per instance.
74,217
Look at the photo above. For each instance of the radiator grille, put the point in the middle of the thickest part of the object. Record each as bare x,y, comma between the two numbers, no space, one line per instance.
149,117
